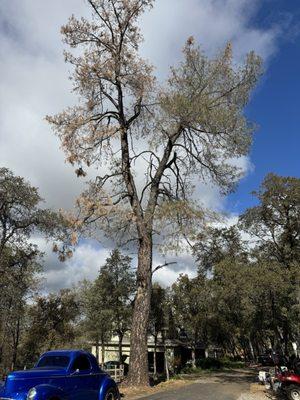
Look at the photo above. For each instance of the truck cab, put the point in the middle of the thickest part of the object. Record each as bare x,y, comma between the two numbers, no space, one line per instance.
61,375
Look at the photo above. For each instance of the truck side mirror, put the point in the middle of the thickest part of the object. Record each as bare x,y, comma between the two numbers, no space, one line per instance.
76,371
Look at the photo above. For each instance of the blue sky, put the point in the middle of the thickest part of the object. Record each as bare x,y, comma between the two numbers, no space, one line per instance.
275,107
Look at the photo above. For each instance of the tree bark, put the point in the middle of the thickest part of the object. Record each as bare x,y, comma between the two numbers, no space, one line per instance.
167,365
154,356
4,328
138,366
16,344
193,357
251,349
102,351
97,349
120,336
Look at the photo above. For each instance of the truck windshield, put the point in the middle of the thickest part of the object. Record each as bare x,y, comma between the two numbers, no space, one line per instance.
53,361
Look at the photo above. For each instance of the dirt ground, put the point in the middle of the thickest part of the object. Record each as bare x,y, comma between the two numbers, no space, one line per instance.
257,392
233,385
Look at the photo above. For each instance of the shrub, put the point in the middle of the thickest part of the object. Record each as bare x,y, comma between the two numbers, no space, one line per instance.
214,363
209,363
227,363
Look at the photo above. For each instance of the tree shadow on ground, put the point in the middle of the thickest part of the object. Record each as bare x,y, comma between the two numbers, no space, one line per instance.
270,394
231,376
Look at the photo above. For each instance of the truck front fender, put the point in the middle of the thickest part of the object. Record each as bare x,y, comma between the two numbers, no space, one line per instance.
49,392
108,383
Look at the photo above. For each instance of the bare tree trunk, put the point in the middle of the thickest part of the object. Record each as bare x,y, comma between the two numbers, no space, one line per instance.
193,357
5,328
251,349
16,344
138,366
120,335
285,335
154,356
97,348
167,365
102,351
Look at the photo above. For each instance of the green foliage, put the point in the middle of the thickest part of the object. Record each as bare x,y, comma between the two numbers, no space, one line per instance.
96,323
214,244
117,283
20,212
158,310
276,220
107,302
21,215
255,289
213,364
51,324
231,364
209,363
191,302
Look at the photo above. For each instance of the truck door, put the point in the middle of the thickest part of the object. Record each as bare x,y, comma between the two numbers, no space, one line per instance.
81,385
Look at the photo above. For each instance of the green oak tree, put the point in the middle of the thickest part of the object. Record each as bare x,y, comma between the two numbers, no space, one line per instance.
117,283
191,300
51,324
158,317
21,216
275,221
96,323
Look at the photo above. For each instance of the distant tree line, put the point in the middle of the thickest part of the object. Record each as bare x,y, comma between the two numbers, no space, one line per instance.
244,298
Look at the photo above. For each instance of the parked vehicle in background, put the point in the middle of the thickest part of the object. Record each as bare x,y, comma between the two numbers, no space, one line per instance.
116,369
61,375
265,360
284,377
111,364
290,383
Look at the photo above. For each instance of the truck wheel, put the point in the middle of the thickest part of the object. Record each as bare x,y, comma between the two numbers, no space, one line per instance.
293,392
112,394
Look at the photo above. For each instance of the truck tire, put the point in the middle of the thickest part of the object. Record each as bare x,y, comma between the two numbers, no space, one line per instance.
112,394
293,392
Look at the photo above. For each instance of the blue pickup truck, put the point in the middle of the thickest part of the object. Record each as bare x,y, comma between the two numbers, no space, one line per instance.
61,375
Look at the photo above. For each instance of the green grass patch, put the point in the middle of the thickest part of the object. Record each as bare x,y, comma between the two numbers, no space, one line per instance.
212,364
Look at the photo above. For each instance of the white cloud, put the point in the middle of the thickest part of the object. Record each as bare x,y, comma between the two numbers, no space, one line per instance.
212,22
34,83
85,264
168,275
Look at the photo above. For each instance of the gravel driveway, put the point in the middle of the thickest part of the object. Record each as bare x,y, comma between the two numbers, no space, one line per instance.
202,391
220,387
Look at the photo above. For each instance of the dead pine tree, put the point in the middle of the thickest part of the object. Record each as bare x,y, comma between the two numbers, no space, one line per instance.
150,142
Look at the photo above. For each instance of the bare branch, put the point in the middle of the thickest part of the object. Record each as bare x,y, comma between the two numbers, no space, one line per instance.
166,264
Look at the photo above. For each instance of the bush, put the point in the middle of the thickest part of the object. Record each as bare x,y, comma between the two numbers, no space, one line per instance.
209,363
215,363
212,364
227,363
190,370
